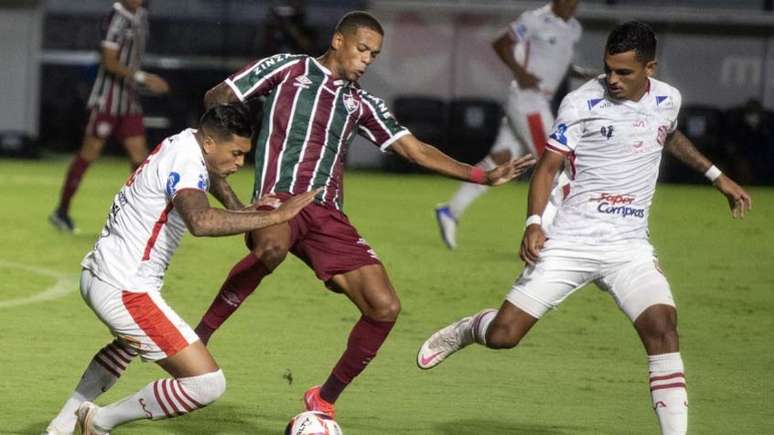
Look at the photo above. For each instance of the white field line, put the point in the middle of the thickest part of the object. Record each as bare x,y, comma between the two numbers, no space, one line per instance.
65,283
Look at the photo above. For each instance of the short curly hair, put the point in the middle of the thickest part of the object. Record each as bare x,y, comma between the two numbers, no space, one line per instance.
633,35
351,21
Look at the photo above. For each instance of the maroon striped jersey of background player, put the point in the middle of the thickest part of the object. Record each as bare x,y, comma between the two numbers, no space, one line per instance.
126,32
309,120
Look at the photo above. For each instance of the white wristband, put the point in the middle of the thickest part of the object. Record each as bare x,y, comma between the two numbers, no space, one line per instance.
713,173
139,77
533,219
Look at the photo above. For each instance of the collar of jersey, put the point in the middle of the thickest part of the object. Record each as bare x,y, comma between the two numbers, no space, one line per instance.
329,73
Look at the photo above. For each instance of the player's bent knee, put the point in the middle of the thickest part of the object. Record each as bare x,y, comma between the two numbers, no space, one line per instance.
271,254
206,388
386,313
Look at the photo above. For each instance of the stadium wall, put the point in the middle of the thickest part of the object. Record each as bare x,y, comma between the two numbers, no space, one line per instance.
716,57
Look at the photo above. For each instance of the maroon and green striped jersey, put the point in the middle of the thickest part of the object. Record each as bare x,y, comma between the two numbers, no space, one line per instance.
309,120
125,32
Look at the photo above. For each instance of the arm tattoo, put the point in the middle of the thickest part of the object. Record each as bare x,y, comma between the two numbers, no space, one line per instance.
202,220
221,190
683,149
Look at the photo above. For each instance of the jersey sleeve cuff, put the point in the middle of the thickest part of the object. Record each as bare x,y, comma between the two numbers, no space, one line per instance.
182,189
556,147
109,44
236,90
393,139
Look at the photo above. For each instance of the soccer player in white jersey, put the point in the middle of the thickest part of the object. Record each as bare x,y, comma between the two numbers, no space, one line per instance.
613,130
537,48
114,102
123,274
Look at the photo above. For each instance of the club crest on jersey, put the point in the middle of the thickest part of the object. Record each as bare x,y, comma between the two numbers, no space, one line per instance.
203,183
350,103
172,181
302,82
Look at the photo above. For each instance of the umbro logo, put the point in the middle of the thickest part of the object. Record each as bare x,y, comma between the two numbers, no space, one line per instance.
595,101
302,82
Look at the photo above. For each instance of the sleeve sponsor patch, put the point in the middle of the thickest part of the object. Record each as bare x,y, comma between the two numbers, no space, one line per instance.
172,181
203,183
559,134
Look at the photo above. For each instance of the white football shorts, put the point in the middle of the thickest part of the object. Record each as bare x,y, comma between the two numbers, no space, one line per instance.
141,320
629,271
526,125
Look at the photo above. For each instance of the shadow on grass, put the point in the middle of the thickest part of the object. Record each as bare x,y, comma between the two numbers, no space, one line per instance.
227,419
478,427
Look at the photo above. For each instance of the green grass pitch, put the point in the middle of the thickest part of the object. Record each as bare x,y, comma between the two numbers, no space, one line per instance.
581,371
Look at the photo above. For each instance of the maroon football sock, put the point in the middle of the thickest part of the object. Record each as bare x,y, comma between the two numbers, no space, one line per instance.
364,341
72,181
241,282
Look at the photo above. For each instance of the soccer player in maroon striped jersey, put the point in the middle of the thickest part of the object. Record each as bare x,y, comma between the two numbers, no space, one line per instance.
313,108
114,103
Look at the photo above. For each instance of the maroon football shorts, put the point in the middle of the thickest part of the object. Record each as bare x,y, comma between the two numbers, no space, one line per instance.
103,125
326,241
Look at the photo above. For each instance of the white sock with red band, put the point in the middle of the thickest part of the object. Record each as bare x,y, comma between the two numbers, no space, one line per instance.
101,374
667,389
163,398
480,324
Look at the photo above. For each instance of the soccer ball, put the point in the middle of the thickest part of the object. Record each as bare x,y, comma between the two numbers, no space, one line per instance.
312,423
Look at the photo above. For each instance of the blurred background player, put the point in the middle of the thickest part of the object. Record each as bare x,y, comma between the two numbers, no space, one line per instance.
114,102
538,49
313,109
147,221
616,129
287,29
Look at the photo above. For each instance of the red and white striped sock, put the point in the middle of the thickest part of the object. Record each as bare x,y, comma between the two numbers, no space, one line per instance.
667,389
164,398
480,324
101,374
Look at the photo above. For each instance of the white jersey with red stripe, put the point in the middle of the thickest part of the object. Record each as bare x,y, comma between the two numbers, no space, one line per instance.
545,44
143,229
614,147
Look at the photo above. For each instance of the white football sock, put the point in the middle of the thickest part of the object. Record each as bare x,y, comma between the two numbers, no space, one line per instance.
101,374
667,389
163,398
480,324
469,192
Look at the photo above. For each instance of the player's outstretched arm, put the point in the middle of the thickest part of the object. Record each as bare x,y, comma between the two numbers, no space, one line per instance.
539,190
221,190
429,157
203,220
683,149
